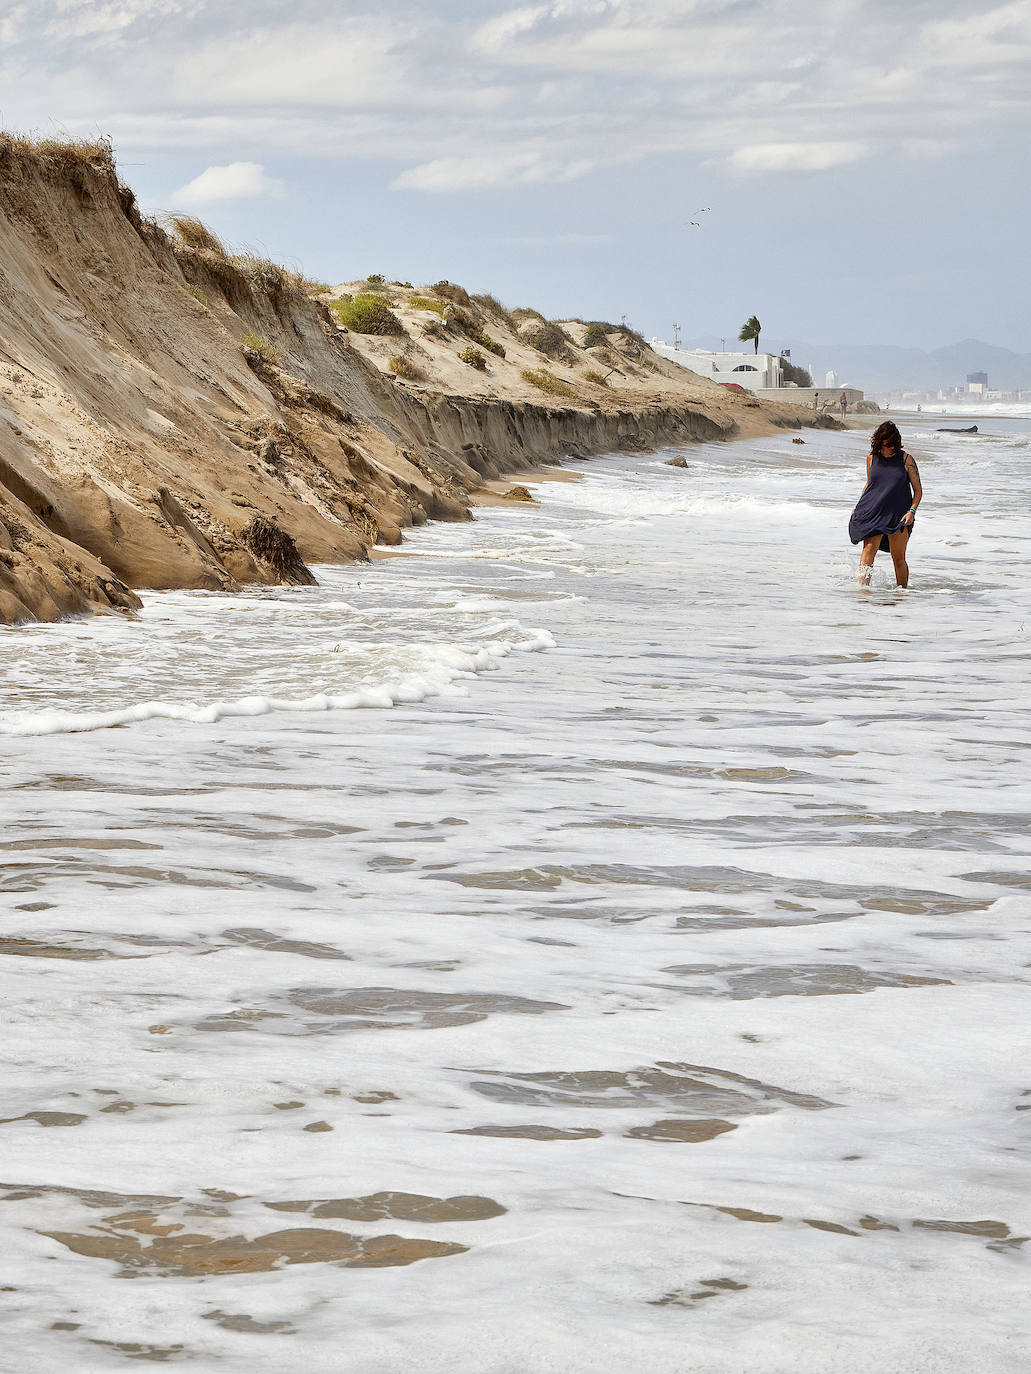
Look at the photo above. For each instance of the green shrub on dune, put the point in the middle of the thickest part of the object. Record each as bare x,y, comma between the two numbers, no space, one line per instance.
548,338
366,314
472,331
451,292
491,345
597,332
376,283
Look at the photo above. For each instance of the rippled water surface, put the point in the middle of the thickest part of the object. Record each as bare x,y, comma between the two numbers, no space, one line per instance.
648,988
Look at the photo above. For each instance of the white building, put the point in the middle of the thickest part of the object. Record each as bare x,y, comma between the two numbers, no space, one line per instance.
753,371
831,380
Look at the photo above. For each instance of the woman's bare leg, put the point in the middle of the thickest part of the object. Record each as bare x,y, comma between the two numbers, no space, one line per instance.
870,547
897,546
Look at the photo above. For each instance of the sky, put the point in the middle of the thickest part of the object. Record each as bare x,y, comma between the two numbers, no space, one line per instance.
850,171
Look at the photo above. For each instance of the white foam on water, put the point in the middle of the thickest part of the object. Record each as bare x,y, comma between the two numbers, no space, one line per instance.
442,666
698,943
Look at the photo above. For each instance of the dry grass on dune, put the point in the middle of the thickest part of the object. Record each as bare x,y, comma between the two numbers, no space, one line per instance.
546,381
58,153
492,306
194,233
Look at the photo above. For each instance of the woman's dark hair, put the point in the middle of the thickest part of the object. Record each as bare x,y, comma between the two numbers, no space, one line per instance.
886,433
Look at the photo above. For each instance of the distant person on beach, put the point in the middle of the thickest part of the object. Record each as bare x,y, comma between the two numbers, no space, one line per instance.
844,405
885,513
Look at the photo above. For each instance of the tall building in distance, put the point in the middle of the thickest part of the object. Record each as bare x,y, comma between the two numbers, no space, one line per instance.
977,383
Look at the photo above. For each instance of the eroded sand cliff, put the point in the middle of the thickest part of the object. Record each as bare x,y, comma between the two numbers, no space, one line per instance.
171,416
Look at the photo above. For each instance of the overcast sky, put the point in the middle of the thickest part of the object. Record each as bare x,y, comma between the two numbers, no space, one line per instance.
864,163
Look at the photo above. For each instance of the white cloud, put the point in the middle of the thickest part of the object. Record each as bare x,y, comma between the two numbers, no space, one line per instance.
235,181
795,157
83,18
474,173
11,23
986,39
465,95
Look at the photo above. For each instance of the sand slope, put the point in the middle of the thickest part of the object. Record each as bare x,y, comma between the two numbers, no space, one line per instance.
144,443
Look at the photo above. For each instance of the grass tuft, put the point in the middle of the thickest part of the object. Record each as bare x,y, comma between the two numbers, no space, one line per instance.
494,307
198,295
311,286
266,275
268,352
404,367
425,303
194,233
544,380
598,378
474,358
59,153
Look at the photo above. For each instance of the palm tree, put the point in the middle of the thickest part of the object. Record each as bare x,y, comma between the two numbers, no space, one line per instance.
751,329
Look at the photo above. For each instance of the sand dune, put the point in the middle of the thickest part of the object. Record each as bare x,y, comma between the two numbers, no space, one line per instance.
172,416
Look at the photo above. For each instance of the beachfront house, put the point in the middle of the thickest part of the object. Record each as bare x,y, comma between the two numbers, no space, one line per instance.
753,371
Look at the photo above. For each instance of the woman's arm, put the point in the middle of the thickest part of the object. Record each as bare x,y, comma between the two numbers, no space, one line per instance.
913,473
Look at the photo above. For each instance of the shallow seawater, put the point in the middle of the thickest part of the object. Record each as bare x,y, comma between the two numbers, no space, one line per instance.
647,987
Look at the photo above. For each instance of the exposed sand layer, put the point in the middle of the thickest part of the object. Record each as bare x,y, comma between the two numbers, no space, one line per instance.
174,417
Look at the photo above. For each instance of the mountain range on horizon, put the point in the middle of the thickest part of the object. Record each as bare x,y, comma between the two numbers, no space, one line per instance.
887,367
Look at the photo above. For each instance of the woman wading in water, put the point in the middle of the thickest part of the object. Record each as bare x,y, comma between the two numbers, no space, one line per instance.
886,512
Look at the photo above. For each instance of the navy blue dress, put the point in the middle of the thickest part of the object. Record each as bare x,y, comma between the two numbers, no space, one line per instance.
887,498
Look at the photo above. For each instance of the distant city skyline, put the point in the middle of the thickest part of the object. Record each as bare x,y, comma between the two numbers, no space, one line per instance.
854,170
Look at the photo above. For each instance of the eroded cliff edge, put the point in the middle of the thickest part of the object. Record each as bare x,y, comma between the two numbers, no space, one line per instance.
174,417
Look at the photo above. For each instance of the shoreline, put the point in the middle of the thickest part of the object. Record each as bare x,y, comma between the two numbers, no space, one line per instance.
219,426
